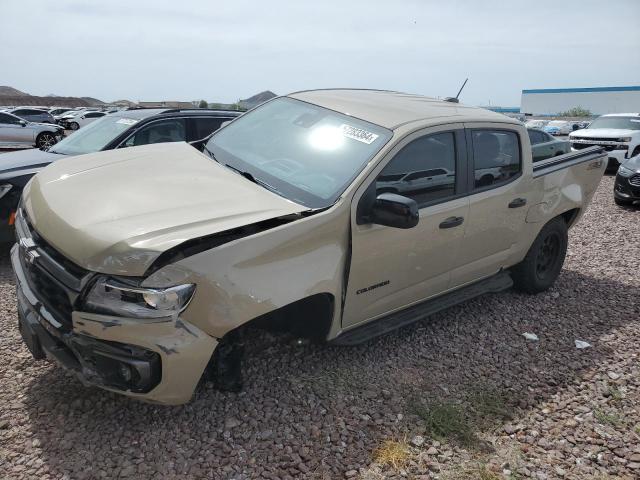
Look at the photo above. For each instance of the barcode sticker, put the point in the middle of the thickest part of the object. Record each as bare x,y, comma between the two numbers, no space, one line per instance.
358,134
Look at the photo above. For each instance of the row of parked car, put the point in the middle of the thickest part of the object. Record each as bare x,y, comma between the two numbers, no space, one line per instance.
556,127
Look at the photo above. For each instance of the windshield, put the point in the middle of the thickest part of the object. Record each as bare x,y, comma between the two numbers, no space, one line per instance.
618,123
556,123
95,136
304,152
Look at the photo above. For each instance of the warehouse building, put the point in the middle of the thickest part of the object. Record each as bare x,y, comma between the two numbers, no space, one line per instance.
598,100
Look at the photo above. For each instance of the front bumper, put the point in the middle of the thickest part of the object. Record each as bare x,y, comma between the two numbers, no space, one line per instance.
159,361
624,189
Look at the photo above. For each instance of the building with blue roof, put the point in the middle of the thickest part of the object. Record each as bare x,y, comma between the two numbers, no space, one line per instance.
598,100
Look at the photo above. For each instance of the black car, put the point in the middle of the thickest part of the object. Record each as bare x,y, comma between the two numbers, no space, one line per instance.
627,186
122,129
33,115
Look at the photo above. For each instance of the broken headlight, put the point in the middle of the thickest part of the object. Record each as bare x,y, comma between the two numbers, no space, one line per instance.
113,297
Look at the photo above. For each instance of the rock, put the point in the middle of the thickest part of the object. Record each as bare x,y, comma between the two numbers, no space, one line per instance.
417,441
432,451
351,473
4,424
231,422
613,375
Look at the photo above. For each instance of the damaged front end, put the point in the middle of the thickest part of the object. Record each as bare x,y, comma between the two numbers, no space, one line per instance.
109,331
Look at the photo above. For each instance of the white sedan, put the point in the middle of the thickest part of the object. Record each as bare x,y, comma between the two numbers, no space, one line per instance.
75,120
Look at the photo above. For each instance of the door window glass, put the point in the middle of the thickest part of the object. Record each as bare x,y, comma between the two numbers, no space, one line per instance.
535,137
496,157
9,119
206,126
424,170
159,132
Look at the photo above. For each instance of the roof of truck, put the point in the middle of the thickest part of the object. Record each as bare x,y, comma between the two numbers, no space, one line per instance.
393,109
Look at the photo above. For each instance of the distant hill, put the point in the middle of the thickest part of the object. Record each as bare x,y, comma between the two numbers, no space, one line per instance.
11,96
257,99
11,92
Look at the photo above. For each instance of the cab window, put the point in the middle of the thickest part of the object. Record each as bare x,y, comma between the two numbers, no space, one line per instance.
424,170
496,157
159,132
536,137
203,127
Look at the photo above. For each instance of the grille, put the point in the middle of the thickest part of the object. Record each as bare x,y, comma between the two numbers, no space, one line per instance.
54,279
635,180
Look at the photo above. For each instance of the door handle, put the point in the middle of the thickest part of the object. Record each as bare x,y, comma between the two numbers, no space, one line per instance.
452,222
518,202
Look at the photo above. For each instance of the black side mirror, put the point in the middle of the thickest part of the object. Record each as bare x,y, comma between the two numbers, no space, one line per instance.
395,211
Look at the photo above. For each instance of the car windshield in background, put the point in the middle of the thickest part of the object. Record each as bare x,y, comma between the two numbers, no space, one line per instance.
304,152
94,136
619,123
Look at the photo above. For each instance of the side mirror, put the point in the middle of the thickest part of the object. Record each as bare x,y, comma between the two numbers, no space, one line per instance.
23,123
395,211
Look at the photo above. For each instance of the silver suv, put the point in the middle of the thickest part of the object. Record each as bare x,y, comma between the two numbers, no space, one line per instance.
16,131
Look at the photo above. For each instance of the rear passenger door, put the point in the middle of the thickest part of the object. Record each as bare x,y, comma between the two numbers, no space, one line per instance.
497,202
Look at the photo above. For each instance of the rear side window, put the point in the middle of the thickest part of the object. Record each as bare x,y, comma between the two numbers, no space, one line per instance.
204,127
159,132
496,157
424,170
94,115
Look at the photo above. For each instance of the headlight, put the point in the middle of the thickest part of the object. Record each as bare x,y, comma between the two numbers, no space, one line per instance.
625,172
113,297
4,189
624,139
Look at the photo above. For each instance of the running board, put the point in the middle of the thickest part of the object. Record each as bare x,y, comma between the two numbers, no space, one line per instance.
497,283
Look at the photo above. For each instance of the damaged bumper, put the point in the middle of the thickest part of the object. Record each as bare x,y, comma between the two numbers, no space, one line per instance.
159,361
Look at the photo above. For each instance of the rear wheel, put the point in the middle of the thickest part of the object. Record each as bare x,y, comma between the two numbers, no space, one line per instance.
45,140
74,126
541,267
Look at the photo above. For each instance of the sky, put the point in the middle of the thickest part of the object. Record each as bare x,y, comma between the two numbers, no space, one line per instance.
150,50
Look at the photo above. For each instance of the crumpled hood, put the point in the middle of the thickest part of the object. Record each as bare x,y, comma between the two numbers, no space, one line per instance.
602,133
117,211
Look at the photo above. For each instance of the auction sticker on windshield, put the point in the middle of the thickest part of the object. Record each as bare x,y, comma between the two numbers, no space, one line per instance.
358,134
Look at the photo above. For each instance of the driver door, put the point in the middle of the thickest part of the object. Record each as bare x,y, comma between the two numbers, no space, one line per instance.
392,268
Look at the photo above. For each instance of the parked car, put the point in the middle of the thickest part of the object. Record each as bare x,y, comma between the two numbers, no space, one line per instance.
139,269
79,119
536,124
558,127
33,115
15,131
58,111
118,130
627,186
617,133
544,145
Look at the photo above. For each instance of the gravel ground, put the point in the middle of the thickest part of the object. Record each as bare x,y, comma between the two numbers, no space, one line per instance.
313,411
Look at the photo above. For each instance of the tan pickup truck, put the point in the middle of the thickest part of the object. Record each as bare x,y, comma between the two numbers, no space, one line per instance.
333,214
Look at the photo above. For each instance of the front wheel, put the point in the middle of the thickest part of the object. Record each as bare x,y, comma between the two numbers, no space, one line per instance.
45,140
543,262
74,126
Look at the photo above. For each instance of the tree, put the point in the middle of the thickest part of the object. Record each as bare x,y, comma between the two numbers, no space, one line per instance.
203,104
576,112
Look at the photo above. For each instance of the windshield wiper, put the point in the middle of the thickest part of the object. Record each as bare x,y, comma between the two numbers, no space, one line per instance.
253,179
210,153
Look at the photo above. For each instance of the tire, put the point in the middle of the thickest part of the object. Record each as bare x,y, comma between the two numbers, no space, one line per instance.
74,126
543,262
45,140
621,202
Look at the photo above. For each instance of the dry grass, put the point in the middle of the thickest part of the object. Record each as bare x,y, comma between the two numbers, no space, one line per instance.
476,472
394,453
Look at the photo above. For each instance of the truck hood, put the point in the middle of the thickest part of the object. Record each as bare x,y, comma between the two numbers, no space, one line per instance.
603,133
14,164
115,212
